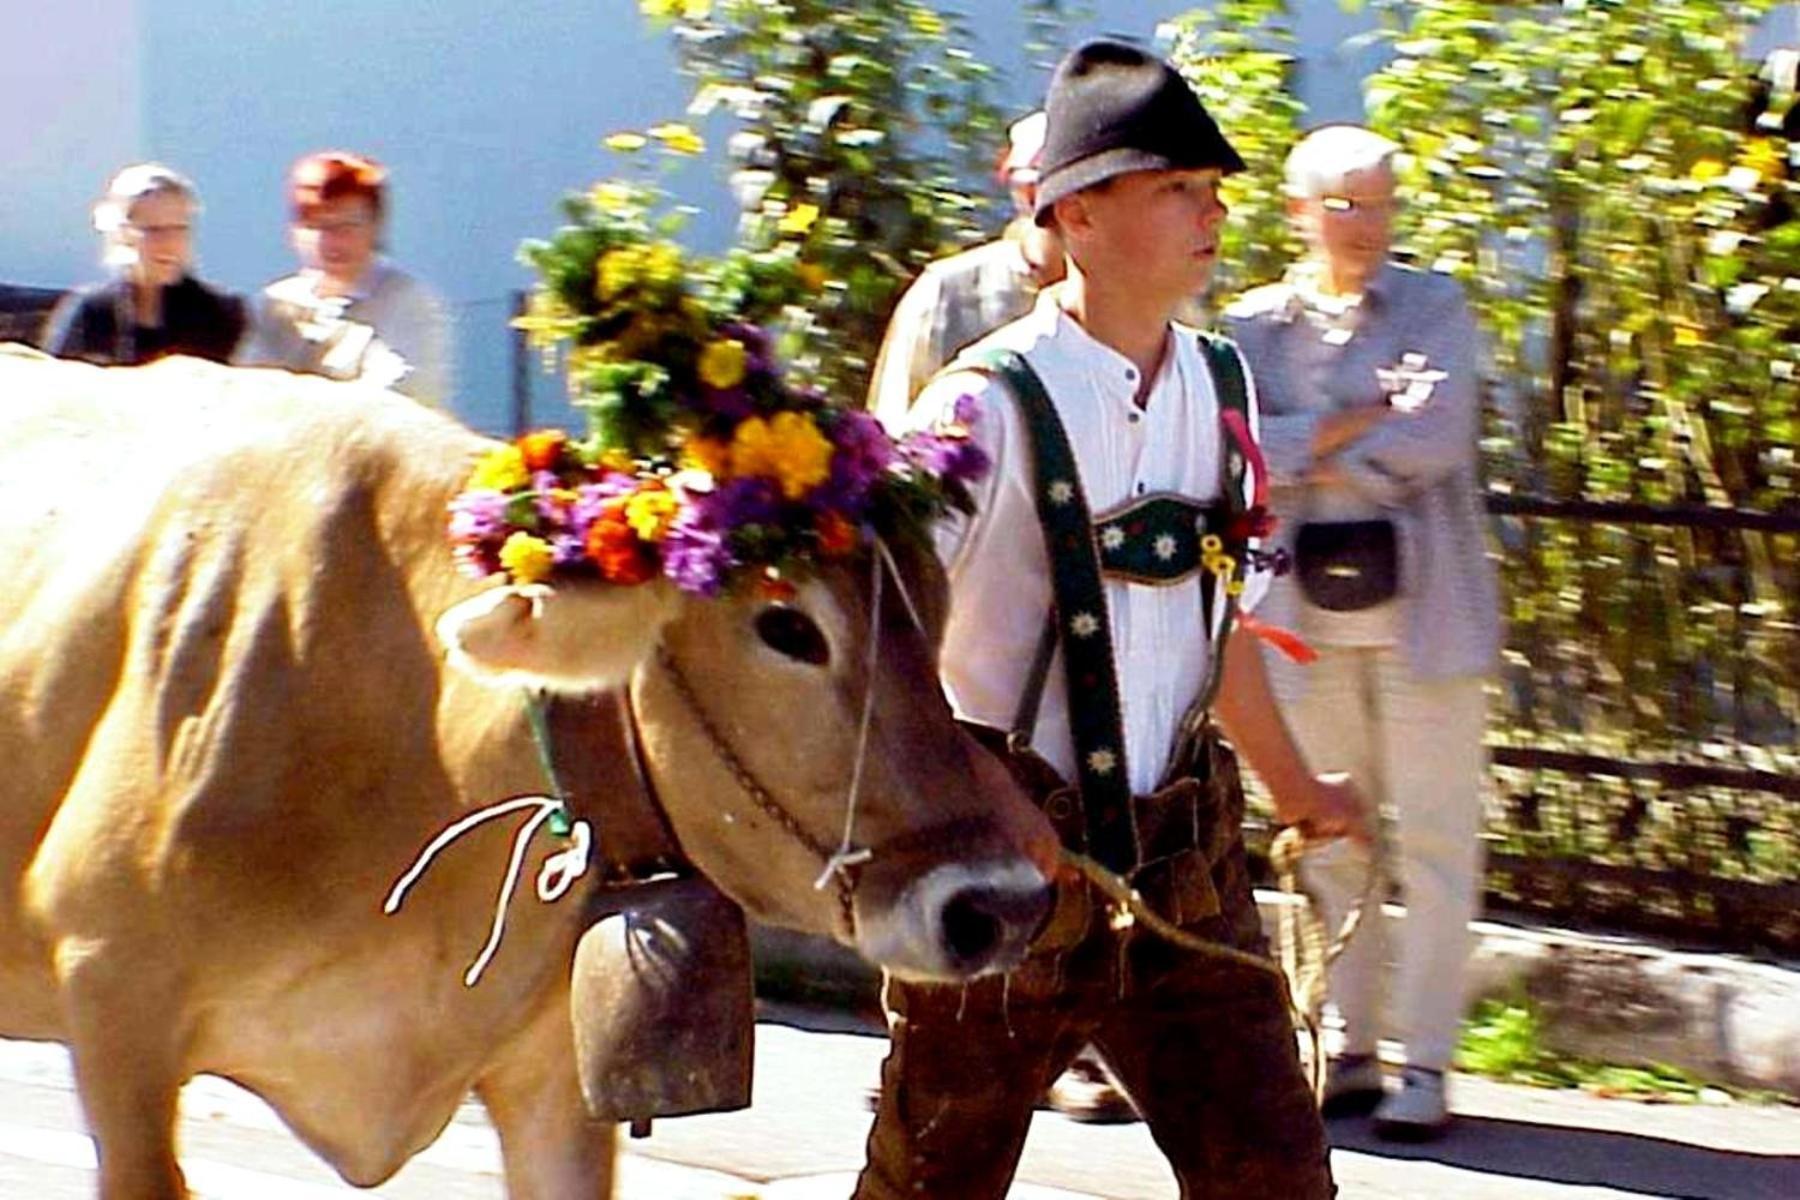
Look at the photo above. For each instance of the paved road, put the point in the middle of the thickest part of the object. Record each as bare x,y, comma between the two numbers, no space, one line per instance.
803,1141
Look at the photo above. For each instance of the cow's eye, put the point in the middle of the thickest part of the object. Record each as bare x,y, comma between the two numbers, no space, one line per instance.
791,632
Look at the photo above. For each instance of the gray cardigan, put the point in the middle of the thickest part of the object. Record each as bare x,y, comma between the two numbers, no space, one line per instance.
1419,469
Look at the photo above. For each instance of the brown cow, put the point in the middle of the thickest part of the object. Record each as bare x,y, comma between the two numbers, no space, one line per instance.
228,730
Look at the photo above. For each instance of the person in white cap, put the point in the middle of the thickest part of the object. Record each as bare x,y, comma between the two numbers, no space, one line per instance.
958,299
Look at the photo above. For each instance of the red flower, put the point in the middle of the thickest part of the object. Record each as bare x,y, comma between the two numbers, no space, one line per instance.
837,537
542,449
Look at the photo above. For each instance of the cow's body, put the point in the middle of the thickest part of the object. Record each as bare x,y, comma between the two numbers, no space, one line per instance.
227,730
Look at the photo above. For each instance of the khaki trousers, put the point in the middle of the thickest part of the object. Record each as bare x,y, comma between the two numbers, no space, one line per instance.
1415,749
1205,1048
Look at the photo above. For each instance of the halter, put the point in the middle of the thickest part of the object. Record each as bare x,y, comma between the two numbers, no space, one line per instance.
840,865
560,871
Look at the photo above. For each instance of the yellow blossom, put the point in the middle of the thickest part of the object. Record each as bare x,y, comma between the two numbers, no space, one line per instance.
625,143
662,263
707,454
679,138
1705,169
501,470
812,275
1764,156
799,219
690,10
722,364
788,448
618,270
610,197
1687,335
649,511
526,557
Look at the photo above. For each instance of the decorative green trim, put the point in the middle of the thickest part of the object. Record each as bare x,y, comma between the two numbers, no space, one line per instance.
1154,540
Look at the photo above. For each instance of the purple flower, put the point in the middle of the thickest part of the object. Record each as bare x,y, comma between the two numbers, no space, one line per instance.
953,459
696,554
863,454
967,410
748,501
566,548
590,496
477,514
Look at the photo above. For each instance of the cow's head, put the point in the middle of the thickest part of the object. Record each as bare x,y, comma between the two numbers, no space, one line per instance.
751,712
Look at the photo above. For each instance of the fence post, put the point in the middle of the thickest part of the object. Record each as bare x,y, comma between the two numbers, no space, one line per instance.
521,369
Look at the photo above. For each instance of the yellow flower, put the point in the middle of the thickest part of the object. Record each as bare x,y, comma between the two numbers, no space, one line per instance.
662,263
618,270
690,10
526,557
789,448
1687,335
610,197
1705,169
678,138
1764,156
812,275
625,143
649,511
799,219
501,470
707,454
722,364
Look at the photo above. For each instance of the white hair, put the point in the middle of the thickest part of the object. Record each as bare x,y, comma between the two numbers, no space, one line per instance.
1329,155
112,212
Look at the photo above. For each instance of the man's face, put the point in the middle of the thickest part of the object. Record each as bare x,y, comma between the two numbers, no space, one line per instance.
1157,229
159,230
338,237
1351,228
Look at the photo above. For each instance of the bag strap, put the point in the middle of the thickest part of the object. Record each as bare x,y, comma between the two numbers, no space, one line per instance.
1080,620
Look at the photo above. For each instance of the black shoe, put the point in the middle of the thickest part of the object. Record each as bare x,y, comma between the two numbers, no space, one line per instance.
1353,1087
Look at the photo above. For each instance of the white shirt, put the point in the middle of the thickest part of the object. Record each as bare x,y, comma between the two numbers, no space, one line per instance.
1000,586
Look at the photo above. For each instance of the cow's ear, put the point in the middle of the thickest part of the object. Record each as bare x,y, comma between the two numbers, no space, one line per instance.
574,638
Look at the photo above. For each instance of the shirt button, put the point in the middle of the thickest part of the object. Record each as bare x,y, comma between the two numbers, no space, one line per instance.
1134,418
1140,489
1131,374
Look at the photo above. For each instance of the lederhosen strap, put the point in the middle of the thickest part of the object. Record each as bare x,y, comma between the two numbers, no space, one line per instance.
1157,541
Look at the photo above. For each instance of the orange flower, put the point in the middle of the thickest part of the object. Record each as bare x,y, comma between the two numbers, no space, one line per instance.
614,548
837,537
542,449
776,589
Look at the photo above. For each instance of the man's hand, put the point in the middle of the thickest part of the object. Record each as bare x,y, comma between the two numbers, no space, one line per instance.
1332,807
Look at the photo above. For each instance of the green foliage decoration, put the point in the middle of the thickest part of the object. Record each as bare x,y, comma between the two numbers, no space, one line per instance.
864,134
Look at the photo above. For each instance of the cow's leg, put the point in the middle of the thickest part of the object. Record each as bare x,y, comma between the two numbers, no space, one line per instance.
124,1038
551,1148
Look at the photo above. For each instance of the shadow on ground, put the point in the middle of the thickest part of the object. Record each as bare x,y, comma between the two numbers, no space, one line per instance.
1649,1166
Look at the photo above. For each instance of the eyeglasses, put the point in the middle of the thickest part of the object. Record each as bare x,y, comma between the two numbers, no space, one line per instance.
1350,206
173,229
341,225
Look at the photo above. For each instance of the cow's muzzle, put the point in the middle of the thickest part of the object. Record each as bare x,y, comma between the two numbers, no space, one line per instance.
958,921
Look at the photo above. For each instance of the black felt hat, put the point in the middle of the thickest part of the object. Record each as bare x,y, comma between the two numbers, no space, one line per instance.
1113,109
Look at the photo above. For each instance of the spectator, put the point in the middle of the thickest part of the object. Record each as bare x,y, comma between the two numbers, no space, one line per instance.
1370,412
152,306
349,313
958,299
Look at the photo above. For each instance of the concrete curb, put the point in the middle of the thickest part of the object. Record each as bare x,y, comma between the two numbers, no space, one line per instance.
1613,999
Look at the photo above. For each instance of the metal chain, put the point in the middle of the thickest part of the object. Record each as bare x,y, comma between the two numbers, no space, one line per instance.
748,782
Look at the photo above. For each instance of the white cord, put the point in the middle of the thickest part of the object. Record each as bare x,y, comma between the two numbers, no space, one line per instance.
846,857
557,875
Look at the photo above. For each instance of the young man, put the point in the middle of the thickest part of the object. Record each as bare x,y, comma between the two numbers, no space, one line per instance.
1090,621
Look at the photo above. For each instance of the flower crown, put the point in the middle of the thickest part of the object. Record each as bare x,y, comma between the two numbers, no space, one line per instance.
702,464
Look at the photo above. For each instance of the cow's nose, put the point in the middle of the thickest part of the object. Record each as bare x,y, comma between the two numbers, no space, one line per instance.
958,921
987,926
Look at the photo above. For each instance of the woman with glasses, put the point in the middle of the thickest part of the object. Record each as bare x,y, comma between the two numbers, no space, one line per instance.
1366,373
349,313
152,306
